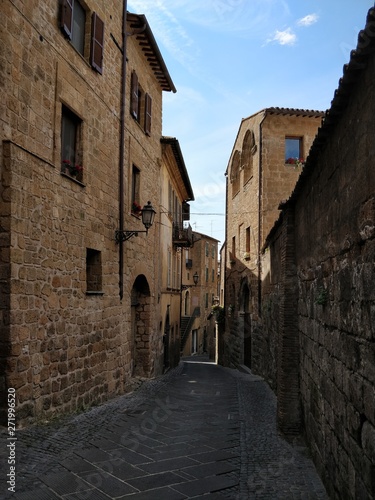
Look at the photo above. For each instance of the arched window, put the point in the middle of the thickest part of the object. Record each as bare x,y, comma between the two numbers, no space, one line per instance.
235,173
248,151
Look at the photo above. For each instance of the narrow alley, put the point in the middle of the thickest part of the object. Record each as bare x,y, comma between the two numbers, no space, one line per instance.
200,431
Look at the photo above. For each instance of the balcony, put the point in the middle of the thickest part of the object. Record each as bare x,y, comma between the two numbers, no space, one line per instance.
182,236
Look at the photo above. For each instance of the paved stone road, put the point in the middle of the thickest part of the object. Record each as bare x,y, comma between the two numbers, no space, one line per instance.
201,431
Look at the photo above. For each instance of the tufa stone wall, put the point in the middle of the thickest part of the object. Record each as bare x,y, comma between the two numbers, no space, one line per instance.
334,234
258,179
66,344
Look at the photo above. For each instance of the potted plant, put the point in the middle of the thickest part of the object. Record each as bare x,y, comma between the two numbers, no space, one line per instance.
136,208
73,169
297,162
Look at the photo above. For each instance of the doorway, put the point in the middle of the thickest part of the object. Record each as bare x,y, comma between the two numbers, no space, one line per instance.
140,325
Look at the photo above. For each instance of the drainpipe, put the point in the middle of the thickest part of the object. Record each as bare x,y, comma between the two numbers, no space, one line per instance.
122,152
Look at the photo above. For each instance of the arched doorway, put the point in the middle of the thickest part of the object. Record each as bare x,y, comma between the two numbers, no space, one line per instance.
187,304
167,329
140,322
246,323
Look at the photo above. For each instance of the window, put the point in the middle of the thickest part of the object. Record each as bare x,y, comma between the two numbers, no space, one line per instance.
147,125
169,270
135,97
206,300
135,195
247,249
206,274
213,275
235,173
207,249
233,256
293,148
140,104
170,198
73,25
185,211
71,154
93,270
248,150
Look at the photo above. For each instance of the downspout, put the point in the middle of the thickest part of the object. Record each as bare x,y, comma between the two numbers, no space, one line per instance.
260,187
220,347
122,152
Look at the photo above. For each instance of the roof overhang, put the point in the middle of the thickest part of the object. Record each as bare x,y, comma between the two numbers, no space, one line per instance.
175,146
142,32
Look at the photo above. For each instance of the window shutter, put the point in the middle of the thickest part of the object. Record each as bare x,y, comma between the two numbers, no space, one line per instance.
134,96
185,211
97,43
148,103
66,17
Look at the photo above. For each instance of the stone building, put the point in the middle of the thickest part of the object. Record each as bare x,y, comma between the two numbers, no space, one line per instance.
266,160
175,235
200,293
318,289
80,149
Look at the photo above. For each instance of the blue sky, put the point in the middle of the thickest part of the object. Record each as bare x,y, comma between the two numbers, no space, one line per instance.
231,58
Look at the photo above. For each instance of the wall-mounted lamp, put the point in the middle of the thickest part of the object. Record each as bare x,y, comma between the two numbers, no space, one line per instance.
148,216
195,279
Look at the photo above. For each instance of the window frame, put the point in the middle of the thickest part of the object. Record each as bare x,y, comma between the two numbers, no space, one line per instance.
136,188
71,143
140,104
297,139
94,280
235,177
68,17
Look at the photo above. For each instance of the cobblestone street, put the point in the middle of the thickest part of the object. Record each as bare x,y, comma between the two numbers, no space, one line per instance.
200,431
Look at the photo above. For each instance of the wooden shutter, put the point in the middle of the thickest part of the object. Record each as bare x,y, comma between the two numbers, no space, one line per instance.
97,43
148,103
134,96
66,17
185,211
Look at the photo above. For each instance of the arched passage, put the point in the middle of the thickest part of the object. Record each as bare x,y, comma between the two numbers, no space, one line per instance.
245,322
187,303
140,319
167,329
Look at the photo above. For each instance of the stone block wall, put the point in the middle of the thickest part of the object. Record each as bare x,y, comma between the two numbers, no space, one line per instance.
335,223
252,209
334,214
65,346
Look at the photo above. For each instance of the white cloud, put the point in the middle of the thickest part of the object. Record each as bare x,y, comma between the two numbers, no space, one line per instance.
286,37
167,30
248,18
308,20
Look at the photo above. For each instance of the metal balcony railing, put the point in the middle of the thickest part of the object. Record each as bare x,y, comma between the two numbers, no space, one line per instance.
182,236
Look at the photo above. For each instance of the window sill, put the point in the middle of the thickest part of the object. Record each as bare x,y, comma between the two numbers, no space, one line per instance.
73,179
91,292
147,134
